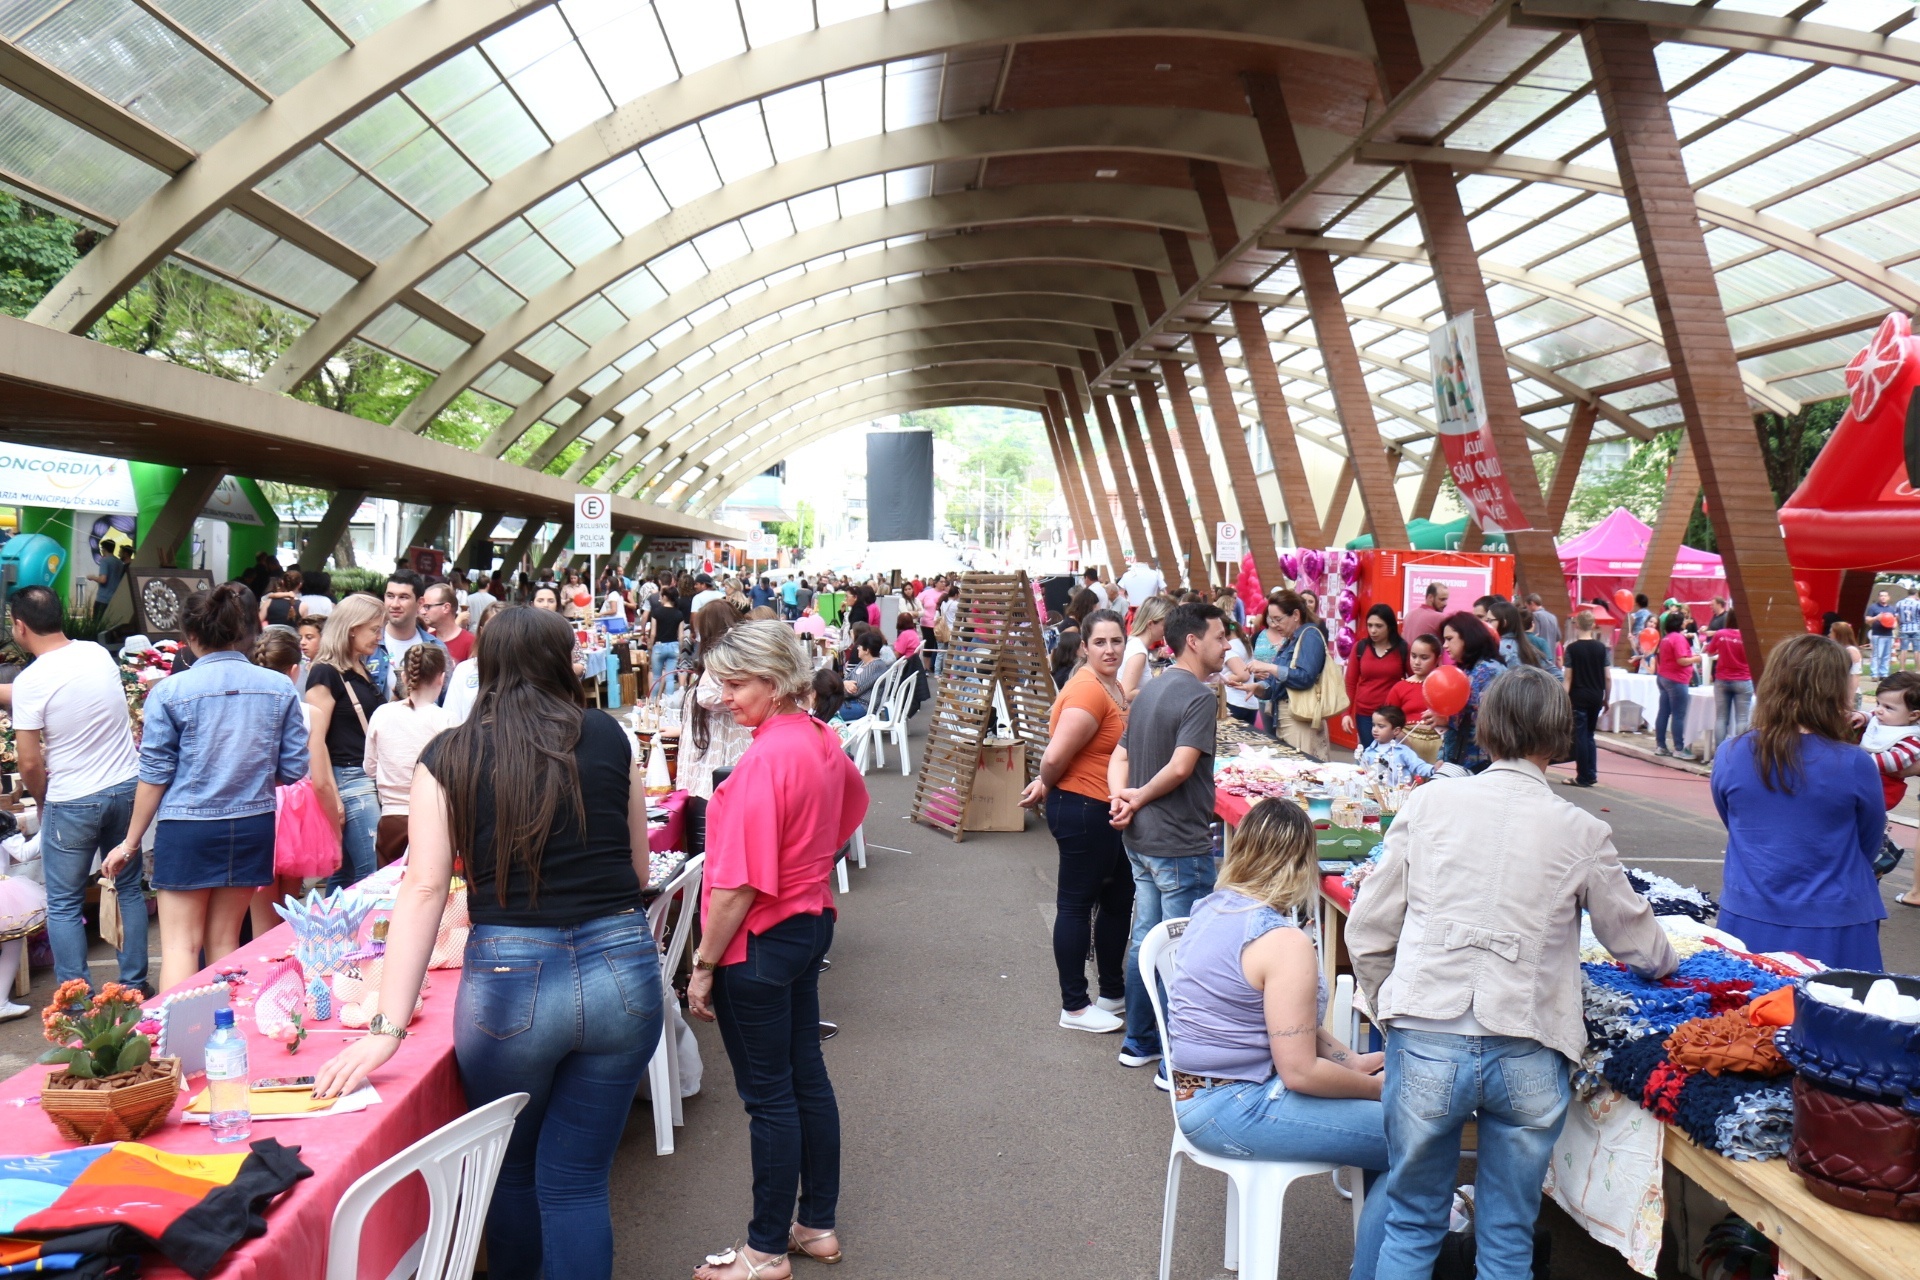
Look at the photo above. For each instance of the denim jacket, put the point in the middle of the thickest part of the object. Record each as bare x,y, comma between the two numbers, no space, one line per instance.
380,663
219,736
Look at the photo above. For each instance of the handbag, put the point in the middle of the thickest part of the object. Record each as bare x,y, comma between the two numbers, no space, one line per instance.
941,631
305,843
1326,697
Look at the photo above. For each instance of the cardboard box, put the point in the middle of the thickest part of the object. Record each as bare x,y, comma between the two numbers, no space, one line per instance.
998,780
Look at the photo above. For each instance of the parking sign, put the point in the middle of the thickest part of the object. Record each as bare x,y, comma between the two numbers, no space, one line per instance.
592,524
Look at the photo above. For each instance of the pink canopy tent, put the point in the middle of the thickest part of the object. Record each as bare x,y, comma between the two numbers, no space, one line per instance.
1608,557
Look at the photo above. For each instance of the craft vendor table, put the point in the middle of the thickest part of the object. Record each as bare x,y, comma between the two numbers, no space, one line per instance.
419,1092
1815,1238
1644,692
670,835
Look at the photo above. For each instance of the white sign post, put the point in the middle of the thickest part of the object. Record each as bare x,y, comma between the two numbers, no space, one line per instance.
1226,543
592,532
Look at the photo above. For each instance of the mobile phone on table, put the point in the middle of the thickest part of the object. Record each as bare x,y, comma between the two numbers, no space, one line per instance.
282,1084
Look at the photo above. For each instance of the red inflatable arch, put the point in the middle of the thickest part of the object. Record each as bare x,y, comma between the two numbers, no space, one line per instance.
1859,507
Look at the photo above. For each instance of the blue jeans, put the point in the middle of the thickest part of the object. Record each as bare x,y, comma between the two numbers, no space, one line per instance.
1270,1122
361,802
1586,752
1163,889
1732,703
73,832
768,1007
1094,876
1435,1084
666,668
570,1017
853,709
1673,711
1882,655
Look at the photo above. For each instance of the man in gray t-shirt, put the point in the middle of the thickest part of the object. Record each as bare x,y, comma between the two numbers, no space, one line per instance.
1161,780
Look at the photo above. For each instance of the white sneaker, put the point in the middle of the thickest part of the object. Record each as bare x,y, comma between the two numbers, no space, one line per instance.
1112,1006
1092,1018
10,1011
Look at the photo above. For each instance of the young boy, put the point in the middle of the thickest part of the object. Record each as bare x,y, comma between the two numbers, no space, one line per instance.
1389,745
1893,736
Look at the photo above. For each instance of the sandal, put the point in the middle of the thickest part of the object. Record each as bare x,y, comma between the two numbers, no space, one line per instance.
798,1244
727,1257
1901,898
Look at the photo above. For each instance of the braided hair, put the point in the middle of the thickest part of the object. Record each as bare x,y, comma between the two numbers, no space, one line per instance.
423,664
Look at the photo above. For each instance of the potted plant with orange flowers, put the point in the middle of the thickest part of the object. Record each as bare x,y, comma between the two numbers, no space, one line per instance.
114,1089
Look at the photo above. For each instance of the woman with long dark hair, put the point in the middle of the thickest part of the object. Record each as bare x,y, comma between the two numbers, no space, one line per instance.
1805,815
215,805
560,996
1516,649
767,916
1375,668
710,738
1473,650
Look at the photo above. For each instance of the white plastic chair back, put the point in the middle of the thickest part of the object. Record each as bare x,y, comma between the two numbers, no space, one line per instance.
663,1069
1256,1189
895,721
459,1163
866,742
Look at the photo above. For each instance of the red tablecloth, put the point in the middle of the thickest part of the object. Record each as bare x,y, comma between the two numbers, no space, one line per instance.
1230,809
419,1092
1334,888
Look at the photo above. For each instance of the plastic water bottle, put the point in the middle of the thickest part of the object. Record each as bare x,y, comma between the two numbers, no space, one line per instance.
230,1118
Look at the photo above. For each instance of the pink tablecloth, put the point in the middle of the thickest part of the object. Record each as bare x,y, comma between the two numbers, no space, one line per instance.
419,1092
672,834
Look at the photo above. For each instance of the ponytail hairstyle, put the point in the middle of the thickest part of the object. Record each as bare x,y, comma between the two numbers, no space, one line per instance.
224,618
422,665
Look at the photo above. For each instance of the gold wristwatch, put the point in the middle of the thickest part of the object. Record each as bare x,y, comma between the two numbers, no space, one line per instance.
708,965
382,1025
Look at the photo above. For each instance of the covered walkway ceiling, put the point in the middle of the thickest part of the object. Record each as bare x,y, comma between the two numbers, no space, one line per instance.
694,234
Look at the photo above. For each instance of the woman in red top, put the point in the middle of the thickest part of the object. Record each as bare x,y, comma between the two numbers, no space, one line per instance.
1373,670
774,828
1671,661
1410,694
1732,680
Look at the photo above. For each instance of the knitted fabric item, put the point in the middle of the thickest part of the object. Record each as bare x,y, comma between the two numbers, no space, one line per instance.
1760,1127
1766,1108
1729,1042
1664,1085
1629,1067
1669,898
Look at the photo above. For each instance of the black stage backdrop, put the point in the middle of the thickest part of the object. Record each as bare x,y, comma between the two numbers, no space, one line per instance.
899,486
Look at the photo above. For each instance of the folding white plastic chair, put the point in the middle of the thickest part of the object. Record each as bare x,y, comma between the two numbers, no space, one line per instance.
865,741
663,1070
459,1163
894,719
1256,1189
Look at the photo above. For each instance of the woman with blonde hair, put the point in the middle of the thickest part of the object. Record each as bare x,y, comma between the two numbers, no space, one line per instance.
767,915
343,696
1149,632
1805,815
1246,1005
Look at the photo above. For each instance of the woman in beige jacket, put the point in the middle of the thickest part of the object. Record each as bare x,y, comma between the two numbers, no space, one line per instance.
1467,944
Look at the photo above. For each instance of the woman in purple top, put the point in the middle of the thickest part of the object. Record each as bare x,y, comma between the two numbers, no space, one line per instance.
1245,1006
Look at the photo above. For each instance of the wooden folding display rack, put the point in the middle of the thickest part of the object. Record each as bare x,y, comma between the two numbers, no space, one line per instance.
996,648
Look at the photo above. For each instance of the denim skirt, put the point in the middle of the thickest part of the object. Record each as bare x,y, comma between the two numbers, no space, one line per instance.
217,853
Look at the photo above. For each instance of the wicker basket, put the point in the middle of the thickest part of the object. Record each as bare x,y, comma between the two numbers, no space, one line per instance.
125,1114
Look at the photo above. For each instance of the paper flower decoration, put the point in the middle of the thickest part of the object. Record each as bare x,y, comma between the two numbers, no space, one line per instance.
325,929
282,1000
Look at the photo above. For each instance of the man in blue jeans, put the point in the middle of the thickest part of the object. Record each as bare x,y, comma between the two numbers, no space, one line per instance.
1161,780
77,759
1881,634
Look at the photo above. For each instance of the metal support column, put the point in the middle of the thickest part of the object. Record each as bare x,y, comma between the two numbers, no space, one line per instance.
480,540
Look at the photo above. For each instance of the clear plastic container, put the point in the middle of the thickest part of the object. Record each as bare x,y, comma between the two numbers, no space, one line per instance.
229,1115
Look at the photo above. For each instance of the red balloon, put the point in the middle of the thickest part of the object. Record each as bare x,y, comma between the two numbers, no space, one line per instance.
581,599
1887,620
1623,600
1649,638
1447,690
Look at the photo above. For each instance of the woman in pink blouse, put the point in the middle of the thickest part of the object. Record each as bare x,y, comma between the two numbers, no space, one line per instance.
773,830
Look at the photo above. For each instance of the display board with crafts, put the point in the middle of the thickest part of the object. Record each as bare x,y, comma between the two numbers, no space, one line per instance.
1784,1091
1351,805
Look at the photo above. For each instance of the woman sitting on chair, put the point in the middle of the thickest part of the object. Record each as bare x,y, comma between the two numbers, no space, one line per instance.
1246,1004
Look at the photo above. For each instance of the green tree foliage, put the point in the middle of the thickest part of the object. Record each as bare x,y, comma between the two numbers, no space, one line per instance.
36,249
798,532
999,467
1790,444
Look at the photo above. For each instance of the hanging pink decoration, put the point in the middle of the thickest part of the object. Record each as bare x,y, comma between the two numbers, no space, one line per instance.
1349,567
1343,642
1313,567
1345,605
1289,565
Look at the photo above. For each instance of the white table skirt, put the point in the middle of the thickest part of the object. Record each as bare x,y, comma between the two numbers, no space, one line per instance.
1644,690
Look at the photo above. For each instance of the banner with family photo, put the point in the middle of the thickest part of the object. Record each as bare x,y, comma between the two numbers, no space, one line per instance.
1459,409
